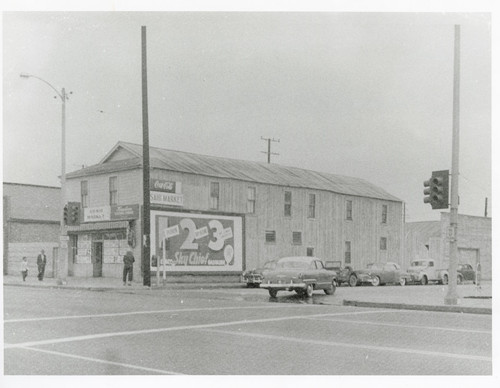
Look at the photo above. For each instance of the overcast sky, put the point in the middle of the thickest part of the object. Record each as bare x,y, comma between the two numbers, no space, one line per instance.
367,95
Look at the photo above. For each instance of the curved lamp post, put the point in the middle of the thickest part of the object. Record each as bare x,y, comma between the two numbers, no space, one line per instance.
63,241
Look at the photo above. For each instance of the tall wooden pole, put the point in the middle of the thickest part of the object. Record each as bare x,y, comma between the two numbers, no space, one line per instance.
146,227
451,297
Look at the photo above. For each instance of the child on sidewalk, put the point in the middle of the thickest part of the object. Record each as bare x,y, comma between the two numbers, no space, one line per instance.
24,268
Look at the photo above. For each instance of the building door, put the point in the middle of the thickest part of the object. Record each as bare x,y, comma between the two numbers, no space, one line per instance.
97,259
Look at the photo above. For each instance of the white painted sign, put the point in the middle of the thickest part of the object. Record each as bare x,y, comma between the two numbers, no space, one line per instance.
96,214
170,199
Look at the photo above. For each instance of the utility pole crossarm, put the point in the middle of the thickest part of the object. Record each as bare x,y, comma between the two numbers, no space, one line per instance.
268,152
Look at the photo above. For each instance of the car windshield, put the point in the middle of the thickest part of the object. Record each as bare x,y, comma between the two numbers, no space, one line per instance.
293,264
418,263
270,265
372,266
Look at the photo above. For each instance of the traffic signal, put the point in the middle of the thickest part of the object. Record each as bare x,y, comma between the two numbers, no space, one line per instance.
66,214
436,189
73,213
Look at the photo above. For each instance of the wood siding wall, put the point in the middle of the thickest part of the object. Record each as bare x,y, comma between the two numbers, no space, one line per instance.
326,233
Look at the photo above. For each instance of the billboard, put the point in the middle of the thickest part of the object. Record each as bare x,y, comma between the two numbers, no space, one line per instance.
195,242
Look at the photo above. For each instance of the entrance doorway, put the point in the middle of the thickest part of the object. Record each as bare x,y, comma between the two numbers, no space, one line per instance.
97,259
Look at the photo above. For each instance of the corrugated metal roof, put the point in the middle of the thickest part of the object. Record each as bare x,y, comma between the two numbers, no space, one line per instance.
273,174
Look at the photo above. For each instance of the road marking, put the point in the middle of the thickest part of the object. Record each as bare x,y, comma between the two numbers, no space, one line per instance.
146,369
147,312
353,346
399,325
176,328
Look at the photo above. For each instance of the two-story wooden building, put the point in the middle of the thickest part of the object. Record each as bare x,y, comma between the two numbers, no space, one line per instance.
219,216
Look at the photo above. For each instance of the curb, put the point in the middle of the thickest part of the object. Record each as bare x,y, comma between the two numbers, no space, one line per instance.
421,307
153,287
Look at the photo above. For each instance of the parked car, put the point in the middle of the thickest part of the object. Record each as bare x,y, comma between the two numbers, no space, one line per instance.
300,274
253,277
379,274
343,273
425,271
465,273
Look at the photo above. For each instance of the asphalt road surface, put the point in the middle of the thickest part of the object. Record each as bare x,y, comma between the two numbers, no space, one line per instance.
232,332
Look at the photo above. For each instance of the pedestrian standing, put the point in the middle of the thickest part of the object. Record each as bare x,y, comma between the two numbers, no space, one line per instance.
128,268
24,268
41,261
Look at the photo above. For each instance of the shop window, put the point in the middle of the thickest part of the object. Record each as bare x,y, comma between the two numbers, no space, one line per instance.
214,195
347,253
297,238
113,191
384,214
270,236
288,203
348,210
251,200
312,206
383,243
84,193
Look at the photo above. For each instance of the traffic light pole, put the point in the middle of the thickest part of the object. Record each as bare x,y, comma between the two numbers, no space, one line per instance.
451,297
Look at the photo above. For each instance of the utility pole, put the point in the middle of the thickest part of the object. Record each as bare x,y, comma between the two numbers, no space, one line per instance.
269,153
451,297
146,227
62,259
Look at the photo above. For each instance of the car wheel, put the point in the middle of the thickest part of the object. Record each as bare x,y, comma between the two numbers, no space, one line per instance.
353,280
460,279
331,290
273,293
300,292
423,282
445,279
376,281
309,290
402,282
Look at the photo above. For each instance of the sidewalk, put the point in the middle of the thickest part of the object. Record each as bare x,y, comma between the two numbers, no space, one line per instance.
471,299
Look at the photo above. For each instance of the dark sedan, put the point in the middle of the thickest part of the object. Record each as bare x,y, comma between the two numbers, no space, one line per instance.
300,274
379,274
253,277
465,273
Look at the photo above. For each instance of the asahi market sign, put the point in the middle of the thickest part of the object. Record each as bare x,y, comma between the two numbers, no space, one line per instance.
190,242
170,199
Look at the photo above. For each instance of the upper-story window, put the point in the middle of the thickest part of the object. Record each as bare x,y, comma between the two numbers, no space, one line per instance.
288,203
297,238
312,206
251,200
113,190
347,253
348,210
84,193
383,243
384,214
214,195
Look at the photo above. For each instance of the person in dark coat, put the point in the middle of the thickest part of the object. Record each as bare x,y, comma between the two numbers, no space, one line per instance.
128,267
41,261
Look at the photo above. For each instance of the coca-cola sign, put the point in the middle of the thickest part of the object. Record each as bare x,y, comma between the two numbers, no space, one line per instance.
161,185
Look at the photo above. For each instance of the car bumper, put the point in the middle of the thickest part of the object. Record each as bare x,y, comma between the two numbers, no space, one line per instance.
283,286
365,278
414,278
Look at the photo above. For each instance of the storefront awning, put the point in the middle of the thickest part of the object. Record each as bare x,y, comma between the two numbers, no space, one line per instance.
90,226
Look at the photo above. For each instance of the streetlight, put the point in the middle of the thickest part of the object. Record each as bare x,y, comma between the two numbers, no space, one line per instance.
63,240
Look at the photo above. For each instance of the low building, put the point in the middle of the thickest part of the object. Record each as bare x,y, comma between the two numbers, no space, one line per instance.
429,240
31,222
213,216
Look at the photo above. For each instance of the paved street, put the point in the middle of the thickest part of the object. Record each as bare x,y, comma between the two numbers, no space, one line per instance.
232,332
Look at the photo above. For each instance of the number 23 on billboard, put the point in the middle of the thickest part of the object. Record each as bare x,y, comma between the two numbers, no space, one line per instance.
216,244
